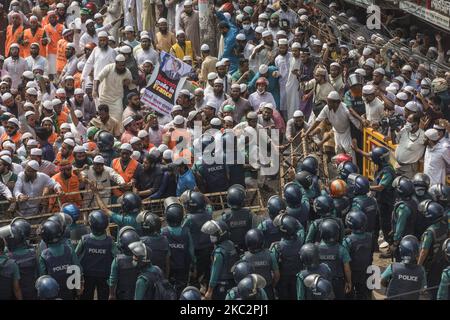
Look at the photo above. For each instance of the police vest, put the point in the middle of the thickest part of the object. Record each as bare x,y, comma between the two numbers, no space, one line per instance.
57,268
288,258
215,177
369,206
322,269
97,257
342,206
236,174
6,279
360,250
411,221
434,263
160,249
405,278
180,259
298,213
421,222
330,256
271,233
201,240
318,224
126,277
180,53
77,233
229,258
151,277
28,269
261,262
239,222
388,193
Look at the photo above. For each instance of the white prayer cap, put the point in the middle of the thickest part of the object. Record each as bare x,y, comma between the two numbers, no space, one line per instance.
129,29
102,34
29,113
126,147
282,41
432,134
185,92
266,105
177,107
27,105
367,51
302,11
370,62
14,45
120,58
361,38
178,120
79,149
136,155
400,79
409,89
316,42
162,147
259,29
263,16
28,74
134,140
127,121
33,164
125,49
368,89
218,81
219,63
304,18
14,121
32,91
65,125
391,89
407,68
36,152
99,160
204,47
187,3
145,36
333,95
111,38
187,58
281,33
266,33
298,114
167,154
296,45
6,158
142,134
89,21
60,5
34,18
243,87
402,96
162,20
380,71
252,115
263,69
240,37
361,72
56,102
26,135
69,142
78,91
32,143
37,67
412,106
180,32
78,113
98,15
335,64
215,122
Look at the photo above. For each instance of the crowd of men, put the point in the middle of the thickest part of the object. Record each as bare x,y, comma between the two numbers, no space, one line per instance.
73,125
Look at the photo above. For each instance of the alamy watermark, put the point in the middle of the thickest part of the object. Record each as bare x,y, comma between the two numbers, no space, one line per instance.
373,17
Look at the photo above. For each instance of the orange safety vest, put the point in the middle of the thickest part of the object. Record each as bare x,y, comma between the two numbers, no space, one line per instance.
77,80
180,53
54,35
15,138
62,118
12,37
61,59
70,185
29,38
59,158
44,21
52,138
126,174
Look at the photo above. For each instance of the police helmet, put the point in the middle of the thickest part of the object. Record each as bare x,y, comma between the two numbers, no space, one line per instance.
379,155
22,224
329,231
323,205
249,287
341,206
149,221
346,168
125,237
240,270
409,249
446,249
254,239
236,196
131,203
421,180
190,293
356,220
174,215
309,255
98,221
142,252
310,164
62,218
47,288
359,184
320,287
275,204
51,231
216,228
193,201
293,194
440,193
72,210
431,210
403,186
105,141
338,188
305,179
289,226
15,238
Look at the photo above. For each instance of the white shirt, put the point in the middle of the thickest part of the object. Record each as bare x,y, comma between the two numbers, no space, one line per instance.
141,55
436,162
255,99
15,68
339,119
97,61
112,89
39,61
374,110
411,146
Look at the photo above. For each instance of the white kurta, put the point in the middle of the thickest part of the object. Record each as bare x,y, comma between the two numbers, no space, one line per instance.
437,161
97,61
282,63
292,88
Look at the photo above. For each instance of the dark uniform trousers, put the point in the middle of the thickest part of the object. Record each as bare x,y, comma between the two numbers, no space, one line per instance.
359,283
179,279
384,223
203,266
90,284
221,289
286,288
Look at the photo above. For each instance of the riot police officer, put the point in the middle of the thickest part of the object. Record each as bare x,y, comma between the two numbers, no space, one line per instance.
197,215
57,257
212,174
323,206
64,220
305,180
318,288
9,271
297,202
47,288
190,293
76,230
310,259
240,270
122,279
359,245
235,169
224,256
443,291
182,257
238,219
24,256
105,143
336,257
421,183
431,255
271,233
311,164
360,187
405,279
152,237
345,169
404,213
440,193
262,260
341,202
96,252
286,252
252,288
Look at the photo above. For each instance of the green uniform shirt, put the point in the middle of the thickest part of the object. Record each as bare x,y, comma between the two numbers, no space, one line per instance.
80,247
402,217
387,275
142,284
442,293
387,178
216,266
112,281
57,249
125,220
16,272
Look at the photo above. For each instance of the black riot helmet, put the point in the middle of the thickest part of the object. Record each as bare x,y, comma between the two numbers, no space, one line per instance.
309,255
63,219
174,215
446,249
254,239
142,253
193,201
236,196
358,184
217,230
15,238
105,141
305,179
346,168
23,225
149,221
310,164
51,231
47,288
329,231
431,211
98,221
190,293
320,287
356,220
403,186
240,270
323,205
421,183
275,204
248,287
293,195
379,155
125,237
288,226
409,249
440,193
131,203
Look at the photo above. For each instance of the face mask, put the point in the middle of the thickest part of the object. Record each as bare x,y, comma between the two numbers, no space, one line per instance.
213,239
424,92
246,27
261,91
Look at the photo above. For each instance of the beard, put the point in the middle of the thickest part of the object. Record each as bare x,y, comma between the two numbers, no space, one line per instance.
121,71
30,178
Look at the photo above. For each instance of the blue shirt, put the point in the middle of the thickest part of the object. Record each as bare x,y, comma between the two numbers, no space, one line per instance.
186,181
